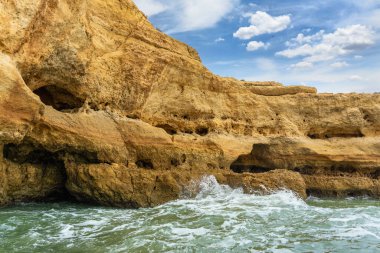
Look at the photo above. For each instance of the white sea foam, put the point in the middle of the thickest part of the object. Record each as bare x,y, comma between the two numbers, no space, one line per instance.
5,227
189,231
357,232
66,232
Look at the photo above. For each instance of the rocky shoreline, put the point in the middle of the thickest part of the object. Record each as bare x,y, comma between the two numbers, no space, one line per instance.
98,105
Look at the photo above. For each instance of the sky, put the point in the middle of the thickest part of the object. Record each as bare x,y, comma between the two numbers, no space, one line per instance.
333,45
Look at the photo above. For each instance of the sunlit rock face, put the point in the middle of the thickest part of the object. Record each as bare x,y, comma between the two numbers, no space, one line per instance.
98,105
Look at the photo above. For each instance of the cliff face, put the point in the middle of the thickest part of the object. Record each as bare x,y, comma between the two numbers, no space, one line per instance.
97,104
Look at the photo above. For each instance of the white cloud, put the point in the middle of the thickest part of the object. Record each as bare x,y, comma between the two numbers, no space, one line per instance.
339,64
151,7
355,78
256,45
302,39
200,14
302,65
186,15
351,37
262,23
220,39
324,47
358,57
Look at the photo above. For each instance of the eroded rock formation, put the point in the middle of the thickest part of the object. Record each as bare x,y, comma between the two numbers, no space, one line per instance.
97,104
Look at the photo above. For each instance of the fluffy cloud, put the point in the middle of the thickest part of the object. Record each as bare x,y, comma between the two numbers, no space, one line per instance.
151,7
256,45
186,15
324,47
353,37
200,14
262,23
302,39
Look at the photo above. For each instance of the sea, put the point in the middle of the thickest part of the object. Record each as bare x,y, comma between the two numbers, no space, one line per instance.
218,219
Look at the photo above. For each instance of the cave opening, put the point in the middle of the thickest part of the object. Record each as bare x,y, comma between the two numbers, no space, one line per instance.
250,168
48,165
168,129
145,164
336,134
27,153
202,131
42,170
244,164
59,98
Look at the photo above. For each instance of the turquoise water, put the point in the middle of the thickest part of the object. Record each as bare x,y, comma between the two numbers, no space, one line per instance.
219,219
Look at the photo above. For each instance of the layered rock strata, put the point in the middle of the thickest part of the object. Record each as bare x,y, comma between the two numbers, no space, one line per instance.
97,104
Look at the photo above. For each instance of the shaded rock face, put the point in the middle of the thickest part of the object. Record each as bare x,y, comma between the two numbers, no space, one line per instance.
337,167
31,173
95,103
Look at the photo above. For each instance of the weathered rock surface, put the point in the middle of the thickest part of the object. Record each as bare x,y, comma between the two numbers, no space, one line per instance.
333,167
96,101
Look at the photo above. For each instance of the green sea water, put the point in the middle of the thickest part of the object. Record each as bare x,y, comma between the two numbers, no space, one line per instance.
218,219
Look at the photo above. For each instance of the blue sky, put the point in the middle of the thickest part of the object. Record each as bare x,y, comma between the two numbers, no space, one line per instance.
333,45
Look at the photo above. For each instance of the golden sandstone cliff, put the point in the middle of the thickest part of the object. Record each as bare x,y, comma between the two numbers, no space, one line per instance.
98,105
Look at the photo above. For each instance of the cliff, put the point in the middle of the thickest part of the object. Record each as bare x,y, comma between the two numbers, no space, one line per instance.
97,104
